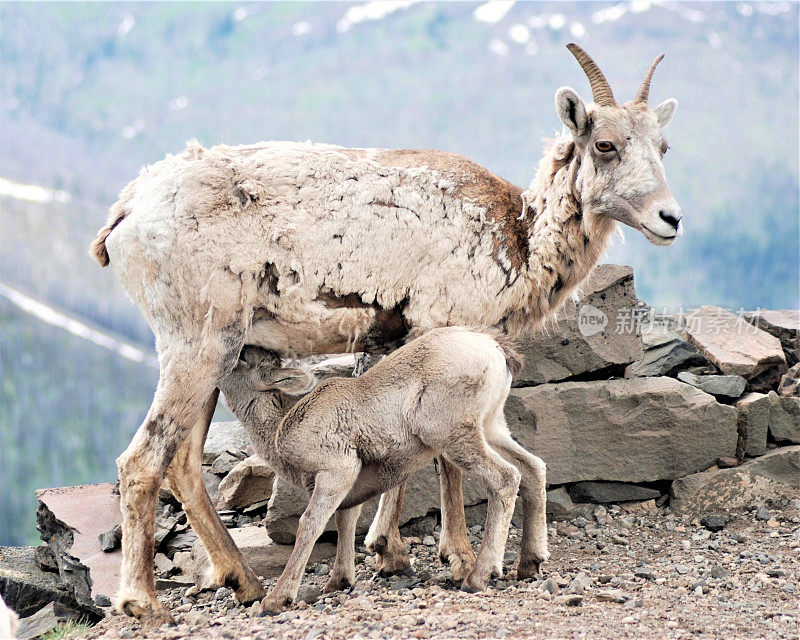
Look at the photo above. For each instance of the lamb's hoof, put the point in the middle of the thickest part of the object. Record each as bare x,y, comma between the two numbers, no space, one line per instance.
461,563
271,606
337,583
529,568
248,593
149,614
395,564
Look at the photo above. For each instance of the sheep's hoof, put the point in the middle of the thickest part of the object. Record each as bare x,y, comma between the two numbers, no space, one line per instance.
248,591
271,606
337,583
149,614
461,563
530,567
393,564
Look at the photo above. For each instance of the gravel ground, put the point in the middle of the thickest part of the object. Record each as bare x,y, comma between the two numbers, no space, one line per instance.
612,574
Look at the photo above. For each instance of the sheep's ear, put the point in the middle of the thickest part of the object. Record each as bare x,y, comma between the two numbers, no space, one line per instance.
572,112
665,111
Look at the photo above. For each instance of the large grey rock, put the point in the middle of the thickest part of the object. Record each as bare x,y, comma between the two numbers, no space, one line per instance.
638,430
223,437
250,481
596,333
610,492
784,325
789,386
753,424
773,476
725,386
784,418
665,354
733,345
265,557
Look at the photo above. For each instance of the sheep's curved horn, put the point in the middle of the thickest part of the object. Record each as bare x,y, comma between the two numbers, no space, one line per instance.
644,90
601,90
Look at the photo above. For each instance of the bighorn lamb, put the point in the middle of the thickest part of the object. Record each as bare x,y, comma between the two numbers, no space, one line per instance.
353,438
309,248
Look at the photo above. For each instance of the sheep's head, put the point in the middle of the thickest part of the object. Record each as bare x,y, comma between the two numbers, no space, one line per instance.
621,148
260,370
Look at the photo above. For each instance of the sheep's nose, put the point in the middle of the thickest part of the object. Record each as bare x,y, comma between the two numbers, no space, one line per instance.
672,218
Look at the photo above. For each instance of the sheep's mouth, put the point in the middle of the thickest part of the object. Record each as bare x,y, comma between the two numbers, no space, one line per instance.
657,238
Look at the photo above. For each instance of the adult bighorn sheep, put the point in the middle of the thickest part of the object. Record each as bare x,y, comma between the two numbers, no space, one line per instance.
309,248
353,438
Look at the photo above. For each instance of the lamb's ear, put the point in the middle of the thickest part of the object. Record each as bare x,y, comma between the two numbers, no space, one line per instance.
665,111
572,112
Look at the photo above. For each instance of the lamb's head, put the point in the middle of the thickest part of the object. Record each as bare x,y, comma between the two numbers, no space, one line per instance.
621,147
260,370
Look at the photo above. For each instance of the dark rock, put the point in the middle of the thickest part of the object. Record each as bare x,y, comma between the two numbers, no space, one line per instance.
420,527
559,504
44,620
102,600
762,513
573,344
570,600
727,463
789,386
26,588
45,559
308,593
713,522
610,492
773,476
111,540
724,386
641,430
665,354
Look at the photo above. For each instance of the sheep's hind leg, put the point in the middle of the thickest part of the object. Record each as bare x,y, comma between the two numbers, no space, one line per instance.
344,568
330,488
187,379
502,481
384,537
184,475
533,551
454,546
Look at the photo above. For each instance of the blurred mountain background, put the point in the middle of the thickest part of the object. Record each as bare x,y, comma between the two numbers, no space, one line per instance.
90,92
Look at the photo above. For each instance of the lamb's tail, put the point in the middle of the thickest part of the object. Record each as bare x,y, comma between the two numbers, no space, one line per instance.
514,359
119,210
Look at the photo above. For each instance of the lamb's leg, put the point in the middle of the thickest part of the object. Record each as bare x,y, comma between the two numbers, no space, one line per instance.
184,476
344,568
384,538
330,488
188,377
472,453
454,546
532,488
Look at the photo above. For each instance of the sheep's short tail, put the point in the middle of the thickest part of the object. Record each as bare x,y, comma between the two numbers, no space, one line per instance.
119,210
514,359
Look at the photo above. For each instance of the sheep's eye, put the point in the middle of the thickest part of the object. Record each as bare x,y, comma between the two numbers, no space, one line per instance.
604,146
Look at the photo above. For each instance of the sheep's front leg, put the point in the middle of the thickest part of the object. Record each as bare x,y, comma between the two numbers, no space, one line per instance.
454,546
344,568
384,537
185,478
330,488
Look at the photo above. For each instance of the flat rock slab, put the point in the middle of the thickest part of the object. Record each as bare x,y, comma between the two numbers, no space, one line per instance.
596,333
734,345
774,476
88,510
265,557
610,492
638,430
26,588
665,354
784,324
725,386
